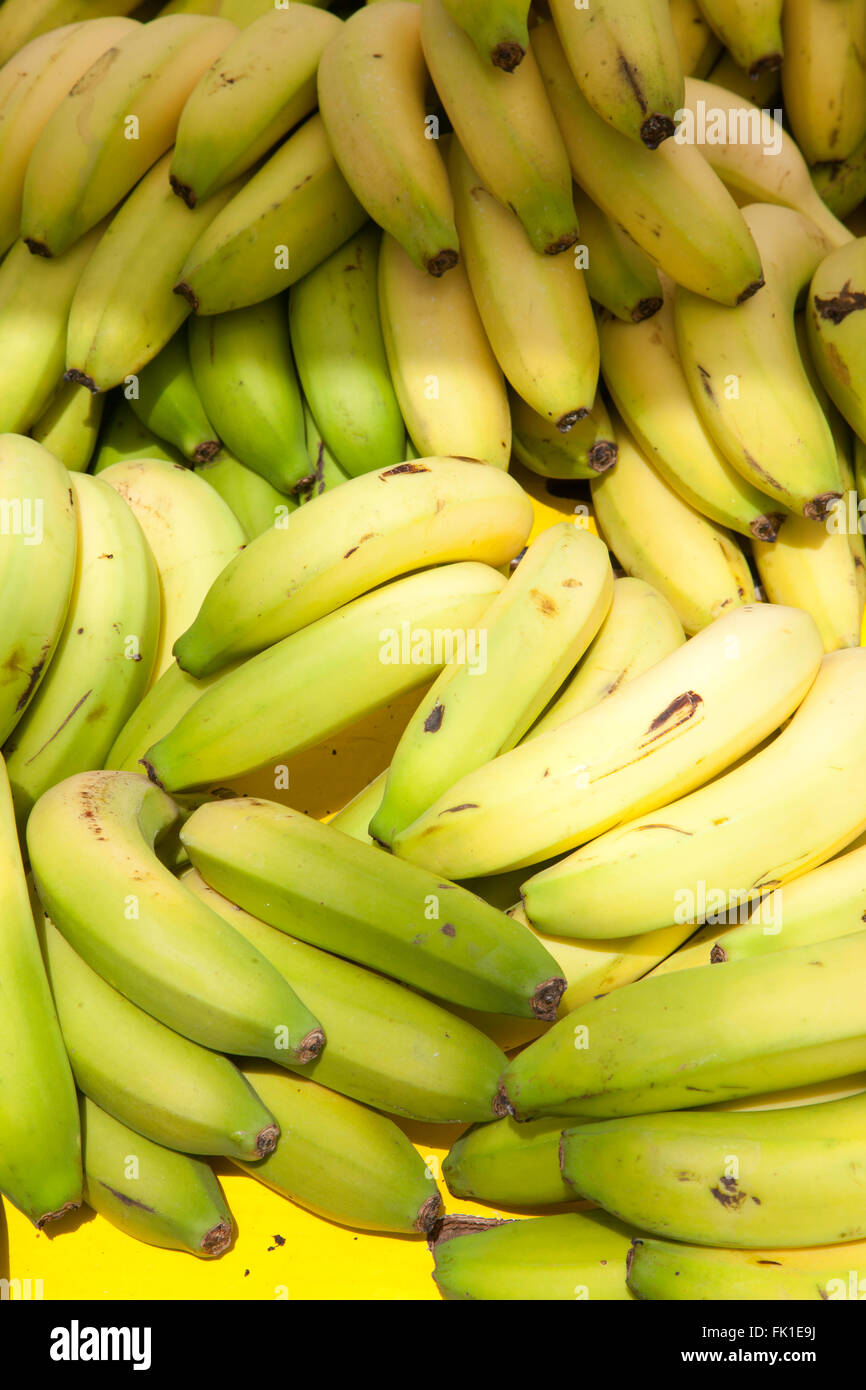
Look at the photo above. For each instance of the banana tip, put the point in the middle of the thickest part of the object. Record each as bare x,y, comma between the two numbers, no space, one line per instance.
645,308
751,289
562,243
266,1140
47,1216
718,955
545,1001
602,456
462,1224
311,1046
655,129
183,191
187,293
428,1214
766,528
817,509
151,773
81,379
501,1104
508,55
442,261
769,62
207,450
37,248
217,1240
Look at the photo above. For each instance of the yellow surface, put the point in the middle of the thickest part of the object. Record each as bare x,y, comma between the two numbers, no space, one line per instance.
84,1256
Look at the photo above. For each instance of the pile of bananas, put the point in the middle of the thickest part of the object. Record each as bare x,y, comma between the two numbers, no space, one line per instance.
284,294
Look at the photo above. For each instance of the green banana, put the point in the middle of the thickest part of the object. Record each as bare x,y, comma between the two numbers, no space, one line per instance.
579,1255
342,1161
164,397
587,449
325,472
340,354
256,503
509,1164
749,29
151,1193
671,1270
123,436
38,546
103,661
69,426
245,377
387,1046
348,541
172,956
149,1078
836,310
297,205
719,1032
619,275
347,897
167,700
533,634
40,1156
498,28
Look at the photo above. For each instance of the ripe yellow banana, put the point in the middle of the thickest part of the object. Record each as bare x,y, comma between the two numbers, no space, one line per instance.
698,45
639,630
530,638
711,251
619,275
814,567
294,211
69,426
119,117
842,183
22,21
749,29
498,28
164,397
504,123
734,360
535,308
448,383
38,546
747,832
823,75
259,88
626,60
348,541
104,658
764,90
835,315
372,96
677,726
670,1271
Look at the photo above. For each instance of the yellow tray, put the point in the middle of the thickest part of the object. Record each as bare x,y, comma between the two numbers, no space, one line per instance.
85,1257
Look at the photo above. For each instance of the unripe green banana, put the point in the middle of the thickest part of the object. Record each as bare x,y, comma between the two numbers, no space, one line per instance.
387,1046
259,88
835,315
166,402
498,28
619,275
37,568
579,1255
245,377
672,1270
291,214
718,1032
341,1160
123,436
256,503
347,897
103,661
533,634
148,1077
145,933
151,1193
69,426
509,1164
40,1153
156,714
584,451
340,354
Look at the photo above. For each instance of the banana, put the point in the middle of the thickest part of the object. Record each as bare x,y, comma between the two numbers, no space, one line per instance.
587,449
643,372
149,1078
640,629
294,695
508,1165
149,1192
822,76
712,251
372,97
579,1255
814,567
259,88
32,84
763,90
191,532
619,275
841,183
348,541
123,436
735,359
35,296
750,30
38,542
349,898
155,716
753,155
504,123
23,21
773,1178
836,309
659,1269
818,1093
626,60
69,426
129,100
294,211
387,1046
656,536
673,729
746,832
535,309
499,30
124,310
340,355
532,636
354,819
181,963
698,45
718,1033
342,1161
40,1156
255,502
164,397
243,371
103,660
325,472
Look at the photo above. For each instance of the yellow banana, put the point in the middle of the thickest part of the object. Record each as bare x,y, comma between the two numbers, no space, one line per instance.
22,21
499,29
619,275
749,29
585,450
69,426
698,45
823,75
834,321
